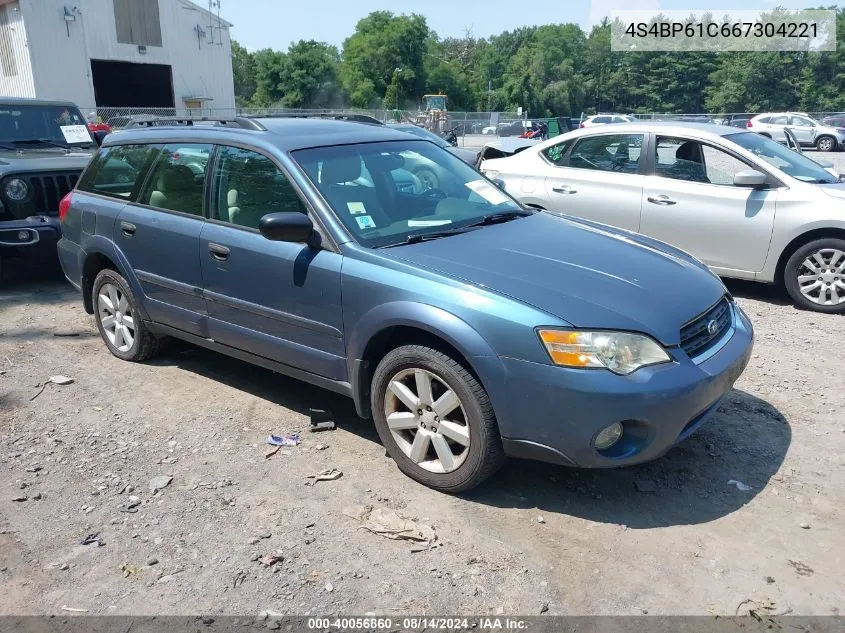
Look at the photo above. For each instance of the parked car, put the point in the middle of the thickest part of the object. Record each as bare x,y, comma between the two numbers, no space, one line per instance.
44,145
504,147
837,120
739,122
709,190
467,326
517,128
810,133
605,119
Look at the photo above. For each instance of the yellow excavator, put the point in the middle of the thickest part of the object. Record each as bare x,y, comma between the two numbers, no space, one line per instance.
434,117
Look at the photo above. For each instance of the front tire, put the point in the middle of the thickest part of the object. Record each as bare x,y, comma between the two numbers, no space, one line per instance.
120,325
435,419
826,144
814,276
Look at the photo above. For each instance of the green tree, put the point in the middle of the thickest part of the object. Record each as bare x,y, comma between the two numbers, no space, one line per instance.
385,50
243,73
269,66
309,77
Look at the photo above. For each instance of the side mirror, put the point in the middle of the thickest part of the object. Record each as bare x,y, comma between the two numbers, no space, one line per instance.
286,227
750,178
500,183
99,136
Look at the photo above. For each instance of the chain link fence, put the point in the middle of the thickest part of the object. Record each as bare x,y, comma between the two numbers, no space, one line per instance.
471,128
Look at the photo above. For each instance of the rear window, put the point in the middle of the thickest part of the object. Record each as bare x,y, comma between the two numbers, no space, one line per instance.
556,154
118,171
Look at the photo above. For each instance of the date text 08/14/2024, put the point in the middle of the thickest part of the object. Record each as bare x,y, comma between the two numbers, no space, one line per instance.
418,623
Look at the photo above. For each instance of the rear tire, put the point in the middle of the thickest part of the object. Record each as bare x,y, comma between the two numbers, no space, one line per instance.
443,432
814,276
826,144
118,320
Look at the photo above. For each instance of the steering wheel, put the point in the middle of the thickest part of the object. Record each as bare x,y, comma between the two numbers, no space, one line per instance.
435,193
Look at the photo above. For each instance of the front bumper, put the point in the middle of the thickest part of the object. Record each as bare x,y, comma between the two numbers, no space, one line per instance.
553,413
37,233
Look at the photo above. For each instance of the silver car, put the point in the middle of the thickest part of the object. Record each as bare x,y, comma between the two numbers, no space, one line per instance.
745,205
810,133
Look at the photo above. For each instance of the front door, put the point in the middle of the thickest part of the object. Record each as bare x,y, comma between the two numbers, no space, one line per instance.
159,233
690,202
804,129
600,180
279,300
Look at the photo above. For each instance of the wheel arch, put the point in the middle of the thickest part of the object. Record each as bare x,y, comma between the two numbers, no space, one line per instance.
100,253
391,325
801,240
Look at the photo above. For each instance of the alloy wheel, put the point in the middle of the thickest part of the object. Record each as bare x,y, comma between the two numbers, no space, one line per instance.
821,277
427,420
116,317
825,145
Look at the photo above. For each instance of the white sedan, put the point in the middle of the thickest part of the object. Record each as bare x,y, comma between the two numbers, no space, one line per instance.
745,205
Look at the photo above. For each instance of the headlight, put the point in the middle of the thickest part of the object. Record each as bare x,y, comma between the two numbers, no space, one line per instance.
17,189
620,352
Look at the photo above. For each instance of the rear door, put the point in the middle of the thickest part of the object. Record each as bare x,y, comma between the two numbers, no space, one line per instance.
690,202
159,234
804,129
599,179
279,300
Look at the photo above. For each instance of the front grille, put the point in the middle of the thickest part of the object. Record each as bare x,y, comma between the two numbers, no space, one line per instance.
45,192
698,336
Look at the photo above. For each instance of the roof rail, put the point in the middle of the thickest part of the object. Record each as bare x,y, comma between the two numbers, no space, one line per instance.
246,123
357,118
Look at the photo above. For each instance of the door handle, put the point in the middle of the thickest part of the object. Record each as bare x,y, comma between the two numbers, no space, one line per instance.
128,228
218,252
564,189
661,199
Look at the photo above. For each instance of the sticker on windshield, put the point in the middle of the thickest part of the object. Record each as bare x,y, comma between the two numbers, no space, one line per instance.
419,223
487,191
365,222
75,133
356,208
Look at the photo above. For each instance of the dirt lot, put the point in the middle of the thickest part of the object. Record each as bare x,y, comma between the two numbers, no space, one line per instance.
670,537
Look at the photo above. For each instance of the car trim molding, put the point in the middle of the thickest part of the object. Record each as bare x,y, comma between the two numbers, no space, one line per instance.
170,284
269,313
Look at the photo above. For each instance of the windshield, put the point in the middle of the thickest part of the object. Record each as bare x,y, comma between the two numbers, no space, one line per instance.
386,192
416,130
788,161
47,124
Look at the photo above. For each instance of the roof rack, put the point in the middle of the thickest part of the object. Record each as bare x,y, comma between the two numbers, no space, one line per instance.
246,123
357,118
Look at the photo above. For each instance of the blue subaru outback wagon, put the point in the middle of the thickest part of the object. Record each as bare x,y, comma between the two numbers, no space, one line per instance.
467,326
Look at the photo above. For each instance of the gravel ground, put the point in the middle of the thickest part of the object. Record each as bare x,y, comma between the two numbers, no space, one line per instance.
669,537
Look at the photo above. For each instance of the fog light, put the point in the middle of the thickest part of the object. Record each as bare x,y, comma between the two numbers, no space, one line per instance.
23,236
608,436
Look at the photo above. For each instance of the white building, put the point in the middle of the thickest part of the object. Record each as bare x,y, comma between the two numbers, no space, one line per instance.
117,54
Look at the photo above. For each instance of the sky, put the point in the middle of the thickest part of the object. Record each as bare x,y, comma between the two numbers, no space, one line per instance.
277,23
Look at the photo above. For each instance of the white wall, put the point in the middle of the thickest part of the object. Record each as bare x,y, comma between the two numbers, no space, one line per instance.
20,84
61,63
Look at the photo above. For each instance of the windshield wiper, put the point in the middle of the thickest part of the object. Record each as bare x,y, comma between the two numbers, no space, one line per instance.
45,141
416,238
504,216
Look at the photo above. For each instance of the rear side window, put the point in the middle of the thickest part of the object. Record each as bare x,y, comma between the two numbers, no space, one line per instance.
556,154
177,179
118,171
608,152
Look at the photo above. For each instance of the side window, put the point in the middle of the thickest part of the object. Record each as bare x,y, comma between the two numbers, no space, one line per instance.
601,119
679,159
801,121
249,186
765,119
177,178
557,153
118,171
608,152
683,159
778,120
721,167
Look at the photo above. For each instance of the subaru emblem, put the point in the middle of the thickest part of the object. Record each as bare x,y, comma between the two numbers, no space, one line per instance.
712,327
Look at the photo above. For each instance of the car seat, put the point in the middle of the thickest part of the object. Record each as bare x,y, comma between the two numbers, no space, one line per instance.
177,189
689,163
337,177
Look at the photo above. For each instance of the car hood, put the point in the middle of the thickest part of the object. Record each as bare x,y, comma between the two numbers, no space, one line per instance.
465,154
834,190
44,160
589,275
